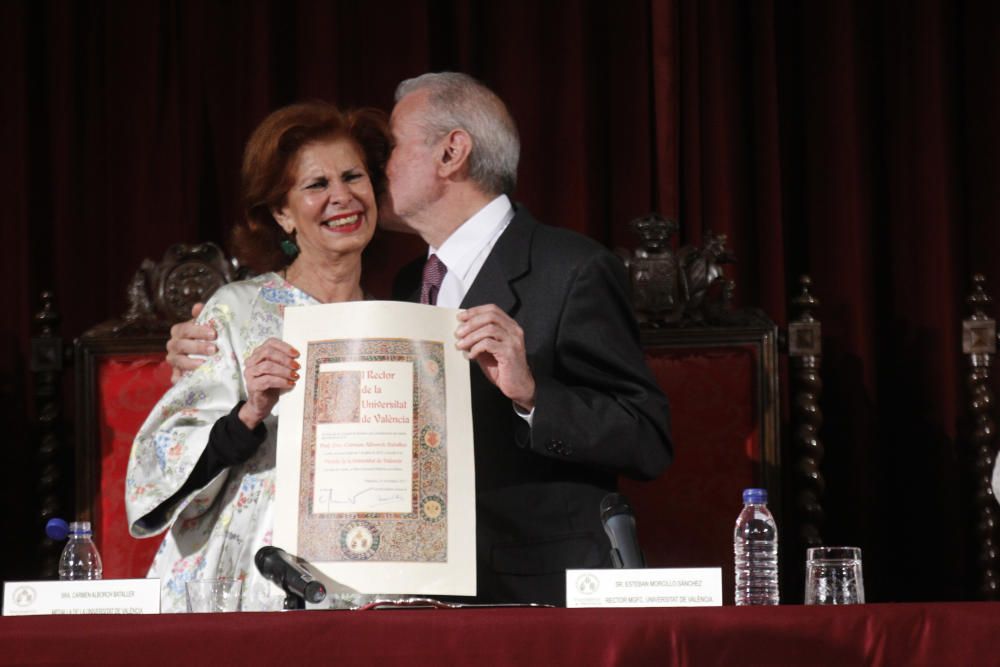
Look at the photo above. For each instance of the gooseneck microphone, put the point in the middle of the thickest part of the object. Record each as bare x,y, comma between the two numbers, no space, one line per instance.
619,523
283,569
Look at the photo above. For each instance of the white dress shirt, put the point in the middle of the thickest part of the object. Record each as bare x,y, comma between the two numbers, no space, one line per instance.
464,253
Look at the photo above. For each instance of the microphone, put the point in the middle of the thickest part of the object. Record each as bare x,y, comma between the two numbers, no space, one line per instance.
280,567
619,524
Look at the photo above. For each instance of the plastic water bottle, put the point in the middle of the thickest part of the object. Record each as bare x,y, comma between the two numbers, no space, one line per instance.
755,544
80,559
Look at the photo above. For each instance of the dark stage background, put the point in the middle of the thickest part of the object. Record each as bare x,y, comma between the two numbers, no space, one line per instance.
853,140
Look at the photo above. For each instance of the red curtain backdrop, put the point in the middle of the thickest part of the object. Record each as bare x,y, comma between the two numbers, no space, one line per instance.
852,140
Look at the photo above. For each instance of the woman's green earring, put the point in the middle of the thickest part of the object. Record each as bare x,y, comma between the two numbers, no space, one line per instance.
289,248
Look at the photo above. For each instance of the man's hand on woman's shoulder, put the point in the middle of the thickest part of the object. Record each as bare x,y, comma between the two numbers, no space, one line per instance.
187,338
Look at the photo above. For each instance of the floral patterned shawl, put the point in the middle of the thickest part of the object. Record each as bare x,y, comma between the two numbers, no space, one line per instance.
216,531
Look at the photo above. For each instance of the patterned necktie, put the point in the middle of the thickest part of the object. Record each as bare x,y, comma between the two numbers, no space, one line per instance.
434,270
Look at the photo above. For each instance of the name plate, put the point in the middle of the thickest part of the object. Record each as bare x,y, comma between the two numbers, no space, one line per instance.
103,596
648,587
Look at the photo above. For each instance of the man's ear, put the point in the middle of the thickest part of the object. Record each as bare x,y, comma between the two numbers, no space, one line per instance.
454,156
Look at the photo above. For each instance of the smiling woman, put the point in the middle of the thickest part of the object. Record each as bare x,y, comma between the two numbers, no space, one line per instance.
202,465
330,213
275,168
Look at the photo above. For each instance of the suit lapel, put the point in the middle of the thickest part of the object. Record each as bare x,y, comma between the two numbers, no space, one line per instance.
509,260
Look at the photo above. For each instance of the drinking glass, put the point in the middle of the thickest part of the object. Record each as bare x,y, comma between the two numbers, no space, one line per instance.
214,595
833,576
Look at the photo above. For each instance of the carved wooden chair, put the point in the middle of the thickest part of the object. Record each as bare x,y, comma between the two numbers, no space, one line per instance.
979,345
719,367
121,373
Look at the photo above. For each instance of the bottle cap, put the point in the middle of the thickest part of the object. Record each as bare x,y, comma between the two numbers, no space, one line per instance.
79,528
754,496
56,529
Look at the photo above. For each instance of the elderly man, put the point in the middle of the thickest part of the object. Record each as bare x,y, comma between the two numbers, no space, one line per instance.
562,399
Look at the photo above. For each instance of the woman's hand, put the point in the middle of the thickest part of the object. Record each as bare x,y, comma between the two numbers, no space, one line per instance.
270,371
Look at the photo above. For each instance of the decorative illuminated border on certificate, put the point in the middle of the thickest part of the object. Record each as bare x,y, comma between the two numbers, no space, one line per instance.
374,426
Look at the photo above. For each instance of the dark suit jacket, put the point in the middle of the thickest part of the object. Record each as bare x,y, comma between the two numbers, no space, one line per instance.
598,410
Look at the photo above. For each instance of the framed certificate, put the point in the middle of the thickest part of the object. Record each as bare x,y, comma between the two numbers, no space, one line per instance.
375,480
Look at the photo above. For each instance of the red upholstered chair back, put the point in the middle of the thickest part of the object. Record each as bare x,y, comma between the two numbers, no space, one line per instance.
722,385
718,366
126,386
121,373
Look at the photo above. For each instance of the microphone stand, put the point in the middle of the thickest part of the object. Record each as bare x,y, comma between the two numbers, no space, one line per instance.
292,601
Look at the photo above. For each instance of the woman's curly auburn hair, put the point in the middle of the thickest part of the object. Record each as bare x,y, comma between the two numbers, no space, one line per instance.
269,160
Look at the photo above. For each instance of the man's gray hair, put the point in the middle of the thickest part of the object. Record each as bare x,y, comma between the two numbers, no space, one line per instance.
458,101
